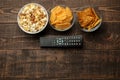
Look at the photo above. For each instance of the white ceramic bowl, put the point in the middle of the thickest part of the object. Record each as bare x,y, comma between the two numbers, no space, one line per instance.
42,27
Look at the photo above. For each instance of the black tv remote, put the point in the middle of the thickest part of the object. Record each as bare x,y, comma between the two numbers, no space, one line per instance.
61,41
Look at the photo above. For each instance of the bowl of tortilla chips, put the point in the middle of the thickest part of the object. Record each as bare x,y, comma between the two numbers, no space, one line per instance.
61,18
89,18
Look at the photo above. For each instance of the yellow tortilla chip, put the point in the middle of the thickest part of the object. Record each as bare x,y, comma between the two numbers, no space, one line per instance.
88,11
97,22
62,26
68,19
62,16
68,11
52,17
56,22
56,10
59,10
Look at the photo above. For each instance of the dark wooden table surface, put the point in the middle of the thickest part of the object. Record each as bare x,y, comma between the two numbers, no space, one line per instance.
21,57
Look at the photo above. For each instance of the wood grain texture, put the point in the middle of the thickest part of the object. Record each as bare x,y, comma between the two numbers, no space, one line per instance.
21,57
60,64
9,11
107,37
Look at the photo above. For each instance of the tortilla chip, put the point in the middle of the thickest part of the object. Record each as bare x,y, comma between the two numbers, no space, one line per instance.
62,26
53,17
68,12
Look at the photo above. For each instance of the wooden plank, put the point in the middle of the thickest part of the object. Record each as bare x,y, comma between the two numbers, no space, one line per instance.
8,11
60,64
47,3
107,37
105,2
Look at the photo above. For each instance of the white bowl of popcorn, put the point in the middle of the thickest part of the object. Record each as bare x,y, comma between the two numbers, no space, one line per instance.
32,18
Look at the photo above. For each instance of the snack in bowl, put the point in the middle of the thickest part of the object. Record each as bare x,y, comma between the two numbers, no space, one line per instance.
61,18
32,18
88,19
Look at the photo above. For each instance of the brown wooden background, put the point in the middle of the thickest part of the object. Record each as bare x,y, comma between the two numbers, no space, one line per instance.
21,57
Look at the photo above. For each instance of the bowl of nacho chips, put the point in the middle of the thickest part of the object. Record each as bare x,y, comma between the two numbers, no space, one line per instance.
61,18
89,18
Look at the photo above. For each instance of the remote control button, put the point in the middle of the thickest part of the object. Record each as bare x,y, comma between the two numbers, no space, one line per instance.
79,43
